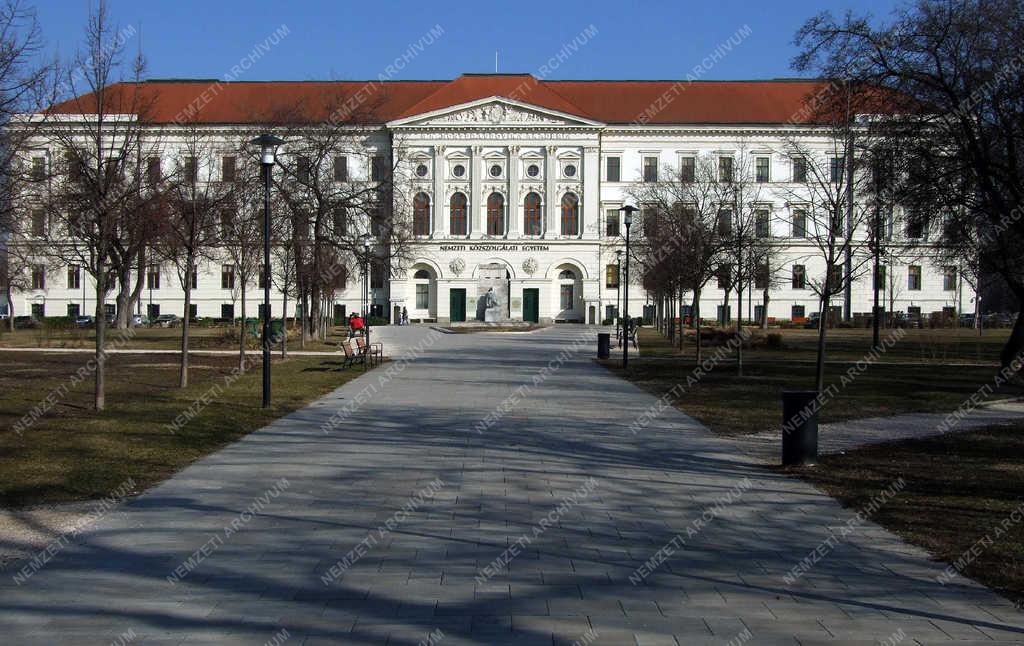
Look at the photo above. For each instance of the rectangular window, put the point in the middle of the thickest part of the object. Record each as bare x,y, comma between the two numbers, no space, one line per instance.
194,278
341,168
153,172
193,311
835,170
688,169
227,222
302,166
799,223
797,312
376,274
725,222
340,221
227,277
762,227
880,283
650,169
915,226
72,310
762,168
614,169
379,169
227,311
74,277
761,276
39,277
38,222
914,278
949,279
611,226
153,277
422,296
799,170
152,311
190,169
725,169
38,310
611,276
799,277
38,168
724,275
567,301
227,168
835,278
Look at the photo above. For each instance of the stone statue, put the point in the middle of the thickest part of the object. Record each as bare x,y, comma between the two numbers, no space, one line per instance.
490,300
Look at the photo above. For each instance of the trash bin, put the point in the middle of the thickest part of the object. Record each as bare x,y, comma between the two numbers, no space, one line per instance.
799,428
604,342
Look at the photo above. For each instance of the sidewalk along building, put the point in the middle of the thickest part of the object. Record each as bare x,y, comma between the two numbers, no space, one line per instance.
513,187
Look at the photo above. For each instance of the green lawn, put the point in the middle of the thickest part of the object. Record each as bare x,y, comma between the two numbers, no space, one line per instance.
74,453
963,500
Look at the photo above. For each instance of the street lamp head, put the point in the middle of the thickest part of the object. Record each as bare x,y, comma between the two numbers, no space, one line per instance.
268,145
618,254
365,238
628,211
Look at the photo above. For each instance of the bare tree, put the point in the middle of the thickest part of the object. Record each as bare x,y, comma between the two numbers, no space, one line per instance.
681,236
192,197
951,77
242,235
95,198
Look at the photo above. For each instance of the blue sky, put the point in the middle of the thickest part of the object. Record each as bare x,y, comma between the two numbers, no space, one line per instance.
331,39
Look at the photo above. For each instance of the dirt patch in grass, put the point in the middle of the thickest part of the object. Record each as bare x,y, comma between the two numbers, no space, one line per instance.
963,500
73,453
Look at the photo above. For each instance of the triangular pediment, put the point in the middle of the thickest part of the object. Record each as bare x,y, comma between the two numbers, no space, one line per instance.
494,112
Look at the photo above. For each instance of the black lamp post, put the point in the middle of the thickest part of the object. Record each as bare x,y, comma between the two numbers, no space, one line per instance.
268,144
627,219
618,293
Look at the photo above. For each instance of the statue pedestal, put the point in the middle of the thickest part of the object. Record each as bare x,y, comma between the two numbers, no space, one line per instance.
493,315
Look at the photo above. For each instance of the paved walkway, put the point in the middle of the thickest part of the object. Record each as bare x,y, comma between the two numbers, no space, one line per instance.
838,437
401,523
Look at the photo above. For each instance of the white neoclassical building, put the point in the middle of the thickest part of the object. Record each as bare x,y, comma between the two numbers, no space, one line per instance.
516,182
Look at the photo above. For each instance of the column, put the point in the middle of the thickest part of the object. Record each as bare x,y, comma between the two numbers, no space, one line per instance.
514,217
590,209
477,202
551,201
438,204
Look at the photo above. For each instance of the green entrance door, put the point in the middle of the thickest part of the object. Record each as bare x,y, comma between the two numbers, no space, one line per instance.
457,305
531,305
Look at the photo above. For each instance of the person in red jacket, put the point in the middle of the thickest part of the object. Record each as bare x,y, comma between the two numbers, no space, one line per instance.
356,325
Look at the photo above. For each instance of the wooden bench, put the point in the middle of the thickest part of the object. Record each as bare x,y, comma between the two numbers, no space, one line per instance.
375,350
351,356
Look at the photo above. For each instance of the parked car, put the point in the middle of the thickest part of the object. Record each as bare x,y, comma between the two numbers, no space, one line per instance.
812,321
138,319
84,321
166,320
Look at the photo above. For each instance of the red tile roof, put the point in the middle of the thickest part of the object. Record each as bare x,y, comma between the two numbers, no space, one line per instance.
617,102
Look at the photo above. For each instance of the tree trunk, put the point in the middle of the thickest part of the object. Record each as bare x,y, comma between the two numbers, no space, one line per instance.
284,319
682,328
765,299
123,298
10,307
183,370
302,319
241,334
696,323
819,366
739,330
100,399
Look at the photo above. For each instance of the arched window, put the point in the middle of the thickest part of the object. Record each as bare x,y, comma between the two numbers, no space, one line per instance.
458,215
567,274
496,215
531,214
422,274
570,215
421,214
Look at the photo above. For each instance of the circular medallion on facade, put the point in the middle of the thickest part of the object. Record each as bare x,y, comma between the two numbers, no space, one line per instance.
533,170
457,266
530,266
570,170
458,170
496,170
422,170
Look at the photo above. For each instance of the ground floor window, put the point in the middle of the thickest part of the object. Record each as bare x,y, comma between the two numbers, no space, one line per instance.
38,310
567,297
152,311
227,311
798,312
422,296
193,311
73,310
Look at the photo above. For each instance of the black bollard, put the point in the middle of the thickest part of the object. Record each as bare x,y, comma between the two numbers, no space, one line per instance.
799,428
603,345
